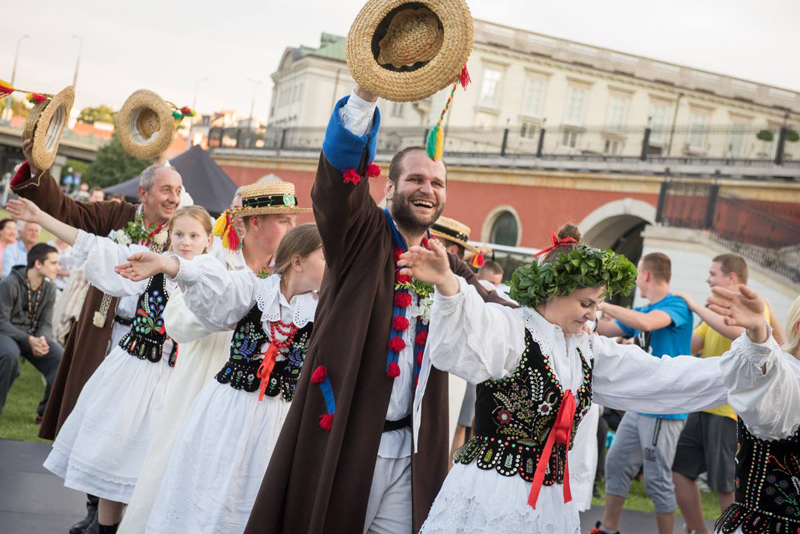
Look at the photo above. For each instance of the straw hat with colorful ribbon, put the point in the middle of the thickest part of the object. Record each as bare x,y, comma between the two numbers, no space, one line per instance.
405,50
46,121
268,198
456,232
146,124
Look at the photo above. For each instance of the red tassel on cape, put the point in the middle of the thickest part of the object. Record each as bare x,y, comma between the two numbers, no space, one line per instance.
319,374
373,171
326,421
393,371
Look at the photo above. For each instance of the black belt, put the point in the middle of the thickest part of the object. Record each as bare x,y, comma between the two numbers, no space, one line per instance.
388,426
123,321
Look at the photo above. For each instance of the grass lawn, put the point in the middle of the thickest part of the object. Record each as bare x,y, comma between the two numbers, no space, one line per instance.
639,501
44,235
17,419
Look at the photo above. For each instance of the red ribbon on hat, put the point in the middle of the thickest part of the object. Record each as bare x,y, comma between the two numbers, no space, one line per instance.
560,433
556,243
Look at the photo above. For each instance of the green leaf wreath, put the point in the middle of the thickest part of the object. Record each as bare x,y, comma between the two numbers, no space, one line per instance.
582,267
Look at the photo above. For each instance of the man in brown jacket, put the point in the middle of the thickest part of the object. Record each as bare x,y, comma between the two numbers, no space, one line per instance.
344,461
159,192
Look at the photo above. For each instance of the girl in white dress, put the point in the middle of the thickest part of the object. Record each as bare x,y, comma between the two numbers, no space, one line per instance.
227,438
102,444
537,371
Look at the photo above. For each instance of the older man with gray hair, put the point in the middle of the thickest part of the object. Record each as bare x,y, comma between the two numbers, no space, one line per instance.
160,190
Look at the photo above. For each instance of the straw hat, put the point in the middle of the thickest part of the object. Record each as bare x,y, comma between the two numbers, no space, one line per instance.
452,230
145,125
270,198
45,125
405,51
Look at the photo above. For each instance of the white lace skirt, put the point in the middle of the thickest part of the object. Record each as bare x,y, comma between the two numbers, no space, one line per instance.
218,462
474,501
102,444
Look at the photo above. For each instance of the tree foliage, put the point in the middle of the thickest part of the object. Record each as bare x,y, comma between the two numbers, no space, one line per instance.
113,165
101,113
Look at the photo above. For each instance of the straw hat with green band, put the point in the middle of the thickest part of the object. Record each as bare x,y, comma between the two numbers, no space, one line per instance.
452,230
269,198
405,51
146,124
46,123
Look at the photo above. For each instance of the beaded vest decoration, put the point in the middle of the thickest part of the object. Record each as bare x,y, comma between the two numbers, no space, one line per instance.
767,486
147,335
514,416
241,369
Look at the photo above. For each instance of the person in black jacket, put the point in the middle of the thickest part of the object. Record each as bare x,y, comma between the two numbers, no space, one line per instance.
27,298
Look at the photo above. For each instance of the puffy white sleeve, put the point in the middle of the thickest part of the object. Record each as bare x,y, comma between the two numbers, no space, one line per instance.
217,297
764,387
472,339
104,255
627,378
180,322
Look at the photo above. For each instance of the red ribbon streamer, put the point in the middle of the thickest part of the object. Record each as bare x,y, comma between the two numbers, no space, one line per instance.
556,243
265,369
561,433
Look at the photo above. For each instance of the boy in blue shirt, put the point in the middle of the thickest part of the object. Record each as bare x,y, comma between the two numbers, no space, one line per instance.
662,328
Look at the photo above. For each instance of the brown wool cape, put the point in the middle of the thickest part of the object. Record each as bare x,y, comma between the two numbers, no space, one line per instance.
86,344
318,481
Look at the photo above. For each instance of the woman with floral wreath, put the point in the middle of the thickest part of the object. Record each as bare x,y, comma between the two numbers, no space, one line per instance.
101,447
226,440
537,370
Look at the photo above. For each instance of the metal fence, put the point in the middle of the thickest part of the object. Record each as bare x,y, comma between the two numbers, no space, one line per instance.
729,145
767,233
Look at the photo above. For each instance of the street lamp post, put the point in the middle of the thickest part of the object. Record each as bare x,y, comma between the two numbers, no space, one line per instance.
194,108
78,61
14,69
255,83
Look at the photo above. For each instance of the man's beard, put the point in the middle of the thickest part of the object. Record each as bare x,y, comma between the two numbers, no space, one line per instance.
401,210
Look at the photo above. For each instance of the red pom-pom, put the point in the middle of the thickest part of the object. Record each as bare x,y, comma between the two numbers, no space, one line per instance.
351,176
425,242
393,371
373,171
402,278
397,253
422,337
319,374
186,110
399,323
402,300
397,344
326,421
419,357
464,78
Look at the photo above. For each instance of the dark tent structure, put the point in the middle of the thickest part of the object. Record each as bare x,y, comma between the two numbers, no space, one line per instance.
208,185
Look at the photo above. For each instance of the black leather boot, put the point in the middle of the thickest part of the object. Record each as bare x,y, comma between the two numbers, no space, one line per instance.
109,529
82,526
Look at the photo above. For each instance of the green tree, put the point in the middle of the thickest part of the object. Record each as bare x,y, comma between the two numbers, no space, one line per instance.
18,106
101,113
113,165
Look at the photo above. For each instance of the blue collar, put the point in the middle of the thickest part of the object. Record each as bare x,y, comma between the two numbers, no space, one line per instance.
396,237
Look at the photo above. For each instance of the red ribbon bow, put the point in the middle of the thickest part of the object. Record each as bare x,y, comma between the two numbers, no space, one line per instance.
561,433
265,369
556,243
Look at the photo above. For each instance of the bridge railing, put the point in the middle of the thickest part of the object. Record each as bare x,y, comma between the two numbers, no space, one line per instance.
767,233
733,145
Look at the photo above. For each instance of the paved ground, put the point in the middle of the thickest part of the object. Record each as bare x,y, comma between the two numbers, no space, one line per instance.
34,501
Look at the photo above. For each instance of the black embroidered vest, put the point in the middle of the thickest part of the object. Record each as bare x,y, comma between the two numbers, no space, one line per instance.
147,335
514,416
767,486
241,369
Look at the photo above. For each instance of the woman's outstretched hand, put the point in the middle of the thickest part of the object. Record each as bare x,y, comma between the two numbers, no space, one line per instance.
24,210
430,265
744,308
143,265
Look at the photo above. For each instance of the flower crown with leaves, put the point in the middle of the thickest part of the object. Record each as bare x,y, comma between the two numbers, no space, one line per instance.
582,267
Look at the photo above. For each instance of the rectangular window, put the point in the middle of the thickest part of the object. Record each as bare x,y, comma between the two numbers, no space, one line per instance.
397,109
617,112
699,127
613,147
570,138
736,140
533,98
659,122
490,88
527,130
576,103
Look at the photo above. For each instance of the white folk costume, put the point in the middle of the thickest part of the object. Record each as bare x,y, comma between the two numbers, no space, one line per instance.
102,444
768,454
583,459
532,379
227,438
202,354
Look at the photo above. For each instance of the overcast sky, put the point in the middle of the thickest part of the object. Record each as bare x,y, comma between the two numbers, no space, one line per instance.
168,45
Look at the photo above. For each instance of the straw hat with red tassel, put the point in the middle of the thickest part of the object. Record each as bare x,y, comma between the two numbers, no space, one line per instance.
458,233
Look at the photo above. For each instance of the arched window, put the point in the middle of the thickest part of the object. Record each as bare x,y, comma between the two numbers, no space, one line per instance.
505,230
